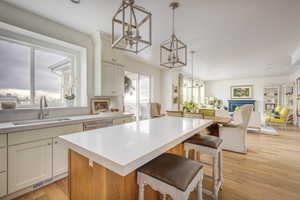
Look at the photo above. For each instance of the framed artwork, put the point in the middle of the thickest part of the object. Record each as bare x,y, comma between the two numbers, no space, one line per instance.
242,92
99,105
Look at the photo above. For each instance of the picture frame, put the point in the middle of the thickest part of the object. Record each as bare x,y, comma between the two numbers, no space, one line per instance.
242,92
99,105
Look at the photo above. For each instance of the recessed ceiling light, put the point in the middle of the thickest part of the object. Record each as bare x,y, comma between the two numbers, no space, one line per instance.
75,1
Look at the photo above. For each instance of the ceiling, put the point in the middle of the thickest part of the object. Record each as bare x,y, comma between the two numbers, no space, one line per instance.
232,38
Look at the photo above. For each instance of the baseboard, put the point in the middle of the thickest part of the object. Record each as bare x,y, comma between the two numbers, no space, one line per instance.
34,187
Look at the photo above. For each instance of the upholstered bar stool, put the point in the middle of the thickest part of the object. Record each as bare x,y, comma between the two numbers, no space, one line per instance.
213,146
171,175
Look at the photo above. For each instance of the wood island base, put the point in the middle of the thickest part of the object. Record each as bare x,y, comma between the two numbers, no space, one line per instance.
98,183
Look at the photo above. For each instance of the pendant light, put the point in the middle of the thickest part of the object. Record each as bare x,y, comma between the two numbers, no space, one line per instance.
173,52
131,28
193,53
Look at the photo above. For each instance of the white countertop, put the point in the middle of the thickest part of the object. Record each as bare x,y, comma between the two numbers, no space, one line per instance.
125,148
9,127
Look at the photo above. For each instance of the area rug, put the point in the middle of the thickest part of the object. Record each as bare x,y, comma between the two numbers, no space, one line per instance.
268,130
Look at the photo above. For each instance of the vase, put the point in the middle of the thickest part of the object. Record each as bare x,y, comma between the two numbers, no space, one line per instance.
69,103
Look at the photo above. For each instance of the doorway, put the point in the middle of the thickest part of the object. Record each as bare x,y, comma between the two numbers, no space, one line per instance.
137,96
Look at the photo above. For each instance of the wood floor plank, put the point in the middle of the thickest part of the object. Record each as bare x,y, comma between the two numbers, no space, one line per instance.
270,171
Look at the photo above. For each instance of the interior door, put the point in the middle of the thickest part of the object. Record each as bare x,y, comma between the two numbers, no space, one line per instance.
131,93
137,95
144,97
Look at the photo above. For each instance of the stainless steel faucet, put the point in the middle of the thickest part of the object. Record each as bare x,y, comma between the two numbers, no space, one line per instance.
44,112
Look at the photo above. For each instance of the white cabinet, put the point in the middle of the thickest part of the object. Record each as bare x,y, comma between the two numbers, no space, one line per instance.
3,184
3,140
112,79
29,164
60,157
3,159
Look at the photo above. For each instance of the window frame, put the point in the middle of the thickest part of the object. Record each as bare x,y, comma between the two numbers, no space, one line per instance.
35,41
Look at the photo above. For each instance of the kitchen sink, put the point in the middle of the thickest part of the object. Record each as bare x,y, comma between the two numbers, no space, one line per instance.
40,121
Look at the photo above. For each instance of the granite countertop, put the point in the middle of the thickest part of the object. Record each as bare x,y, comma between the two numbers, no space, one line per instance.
9,127
126,147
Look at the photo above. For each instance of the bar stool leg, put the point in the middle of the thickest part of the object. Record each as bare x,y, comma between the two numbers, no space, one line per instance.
199,191
141,191
221,167
164,197
186,153
215,177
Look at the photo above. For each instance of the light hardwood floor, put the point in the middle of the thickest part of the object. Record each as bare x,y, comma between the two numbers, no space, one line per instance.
270,171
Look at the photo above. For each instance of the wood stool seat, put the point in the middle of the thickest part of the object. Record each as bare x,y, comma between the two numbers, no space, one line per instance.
205,140
173,175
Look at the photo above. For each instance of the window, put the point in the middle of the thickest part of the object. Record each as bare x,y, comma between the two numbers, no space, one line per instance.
137,95
195,93
30,72
15,73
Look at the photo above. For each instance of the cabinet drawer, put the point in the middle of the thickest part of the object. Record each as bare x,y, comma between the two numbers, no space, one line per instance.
3,184
3,140
40,134
123,120
3,159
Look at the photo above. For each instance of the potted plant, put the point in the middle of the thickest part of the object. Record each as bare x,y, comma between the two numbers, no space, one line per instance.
190,106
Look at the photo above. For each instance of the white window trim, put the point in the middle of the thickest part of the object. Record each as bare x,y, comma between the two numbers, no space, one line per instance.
39,41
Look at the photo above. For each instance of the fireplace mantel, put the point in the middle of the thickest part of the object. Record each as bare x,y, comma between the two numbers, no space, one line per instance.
232,104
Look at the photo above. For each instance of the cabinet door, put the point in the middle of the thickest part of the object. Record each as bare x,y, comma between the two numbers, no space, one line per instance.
3,159
118,89
3,184
29,164
60,157
107,80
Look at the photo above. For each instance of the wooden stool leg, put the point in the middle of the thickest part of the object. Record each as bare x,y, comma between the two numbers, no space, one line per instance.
221,166
164,197
141,191
186,153
215,177
199,191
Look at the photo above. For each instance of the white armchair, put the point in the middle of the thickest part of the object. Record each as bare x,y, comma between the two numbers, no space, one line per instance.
234,135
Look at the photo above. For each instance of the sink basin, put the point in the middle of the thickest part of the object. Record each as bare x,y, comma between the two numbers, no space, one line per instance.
40,121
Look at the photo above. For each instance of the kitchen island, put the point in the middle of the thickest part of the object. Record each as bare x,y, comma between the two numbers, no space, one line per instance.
103,162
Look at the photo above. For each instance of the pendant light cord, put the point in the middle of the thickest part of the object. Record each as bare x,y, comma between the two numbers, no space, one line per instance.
173,21
192,52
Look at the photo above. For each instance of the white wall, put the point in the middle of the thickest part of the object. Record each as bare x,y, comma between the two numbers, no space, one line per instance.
221,89
37,24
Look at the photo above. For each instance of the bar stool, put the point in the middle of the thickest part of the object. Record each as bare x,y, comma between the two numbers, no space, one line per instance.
173,175
213,146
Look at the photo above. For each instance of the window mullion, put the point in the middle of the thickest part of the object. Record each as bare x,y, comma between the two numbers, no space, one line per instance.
32,75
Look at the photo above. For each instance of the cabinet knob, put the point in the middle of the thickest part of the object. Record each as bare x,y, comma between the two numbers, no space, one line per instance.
49,143
55,142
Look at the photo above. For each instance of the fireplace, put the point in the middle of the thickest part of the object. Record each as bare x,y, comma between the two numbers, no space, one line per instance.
234,103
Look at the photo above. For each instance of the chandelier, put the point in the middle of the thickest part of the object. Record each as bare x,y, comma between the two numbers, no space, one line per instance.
173,52
131,28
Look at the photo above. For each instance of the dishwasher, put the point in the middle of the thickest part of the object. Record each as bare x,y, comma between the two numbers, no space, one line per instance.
95,124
